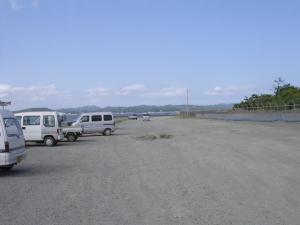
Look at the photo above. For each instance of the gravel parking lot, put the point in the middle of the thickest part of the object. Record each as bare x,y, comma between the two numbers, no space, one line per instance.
165,172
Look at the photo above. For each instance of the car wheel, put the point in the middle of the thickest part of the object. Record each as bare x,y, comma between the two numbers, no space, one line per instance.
6,168
49,141
107,132
71,137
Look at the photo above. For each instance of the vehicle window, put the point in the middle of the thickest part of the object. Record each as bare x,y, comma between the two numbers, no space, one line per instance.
12,127
85,119
62,119
96,118
107,117
31,120
49,121
19,118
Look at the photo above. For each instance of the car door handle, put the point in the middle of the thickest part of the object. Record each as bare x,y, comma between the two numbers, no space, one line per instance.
24,128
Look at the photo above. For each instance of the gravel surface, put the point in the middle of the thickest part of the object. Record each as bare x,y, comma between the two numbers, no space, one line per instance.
192,172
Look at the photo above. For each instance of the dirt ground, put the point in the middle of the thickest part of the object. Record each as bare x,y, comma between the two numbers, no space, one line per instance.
164,172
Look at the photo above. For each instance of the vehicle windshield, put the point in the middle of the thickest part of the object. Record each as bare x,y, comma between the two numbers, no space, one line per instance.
12,127
72,118
68,119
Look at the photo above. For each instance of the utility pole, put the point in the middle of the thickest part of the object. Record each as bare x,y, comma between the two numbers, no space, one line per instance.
187,96
187,102
3,104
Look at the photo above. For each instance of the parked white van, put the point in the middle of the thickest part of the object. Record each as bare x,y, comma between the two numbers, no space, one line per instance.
41,127
12,143
97,122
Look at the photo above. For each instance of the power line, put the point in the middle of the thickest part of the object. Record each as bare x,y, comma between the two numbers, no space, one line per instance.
3,104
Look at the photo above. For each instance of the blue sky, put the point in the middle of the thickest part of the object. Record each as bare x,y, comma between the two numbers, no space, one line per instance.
67,53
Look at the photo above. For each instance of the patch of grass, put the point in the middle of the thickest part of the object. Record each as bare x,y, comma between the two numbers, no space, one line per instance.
165,136
151,137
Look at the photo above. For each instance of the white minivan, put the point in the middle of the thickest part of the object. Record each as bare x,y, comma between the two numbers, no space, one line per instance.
41,127
12,143
96,122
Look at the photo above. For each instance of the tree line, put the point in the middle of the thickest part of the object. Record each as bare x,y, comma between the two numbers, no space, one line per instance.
283,94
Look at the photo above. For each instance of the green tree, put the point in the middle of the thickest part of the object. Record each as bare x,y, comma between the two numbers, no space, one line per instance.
278,84
284,94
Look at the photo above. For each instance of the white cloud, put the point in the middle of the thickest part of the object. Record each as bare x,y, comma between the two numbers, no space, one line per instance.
32,92
15,5
137,90
166,92
4,90
50,96
99,91
230,90
131,89
35,3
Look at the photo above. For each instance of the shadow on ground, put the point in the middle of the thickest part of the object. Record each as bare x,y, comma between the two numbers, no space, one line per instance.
30,171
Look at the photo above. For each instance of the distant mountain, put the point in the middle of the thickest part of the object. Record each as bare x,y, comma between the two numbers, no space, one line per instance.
134,109
145,108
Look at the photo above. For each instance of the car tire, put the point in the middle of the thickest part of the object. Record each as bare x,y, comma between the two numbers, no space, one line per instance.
49,141
71,137
6,168
107,132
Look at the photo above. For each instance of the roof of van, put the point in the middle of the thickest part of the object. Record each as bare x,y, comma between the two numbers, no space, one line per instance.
36,113
96,113
5,113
